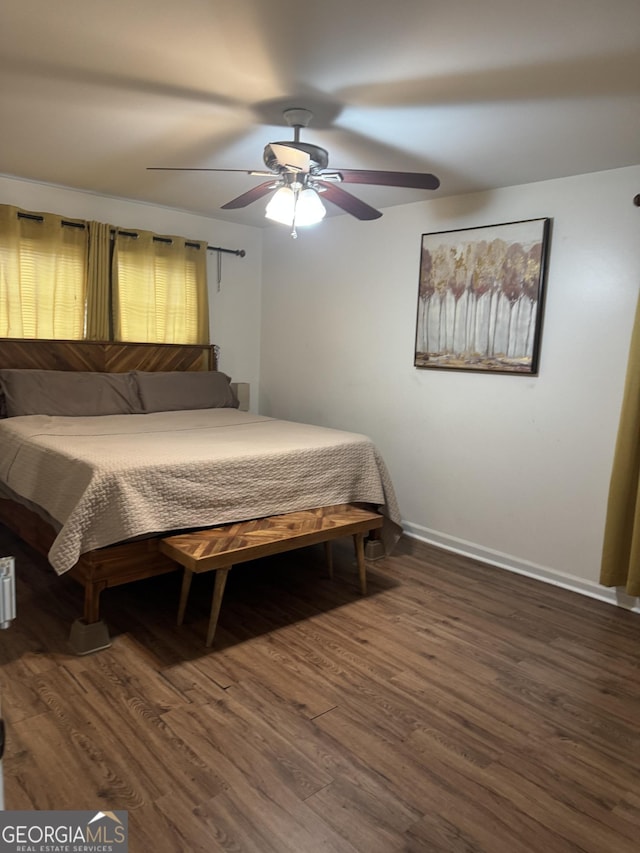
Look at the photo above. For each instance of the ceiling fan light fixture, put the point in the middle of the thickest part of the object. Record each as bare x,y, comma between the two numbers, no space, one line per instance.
289,207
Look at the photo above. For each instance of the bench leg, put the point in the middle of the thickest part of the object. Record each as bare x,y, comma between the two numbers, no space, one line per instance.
184,594
358,539
328,555
218,592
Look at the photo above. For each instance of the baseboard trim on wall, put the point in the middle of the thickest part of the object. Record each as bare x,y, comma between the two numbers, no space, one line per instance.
616,596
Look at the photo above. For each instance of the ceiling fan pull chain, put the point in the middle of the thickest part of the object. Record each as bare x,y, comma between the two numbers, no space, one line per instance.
296,196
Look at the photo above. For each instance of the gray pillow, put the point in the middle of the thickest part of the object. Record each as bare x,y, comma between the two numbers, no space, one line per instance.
181,390
69,393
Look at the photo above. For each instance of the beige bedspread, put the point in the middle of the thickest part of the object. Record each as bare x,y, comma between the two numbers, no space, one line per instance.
107,479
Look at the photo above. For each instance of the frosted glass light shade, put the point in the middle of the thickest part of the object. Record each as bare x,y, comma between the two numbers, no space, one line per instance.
306,209
282,206
309,209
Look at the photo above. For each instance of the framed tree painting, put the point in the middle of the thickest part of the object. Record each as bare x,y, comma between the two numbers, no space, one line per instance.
480,298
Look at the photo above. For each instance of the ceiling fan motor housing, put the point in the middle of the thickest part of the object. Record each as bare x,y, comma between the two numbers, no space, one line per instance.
319,156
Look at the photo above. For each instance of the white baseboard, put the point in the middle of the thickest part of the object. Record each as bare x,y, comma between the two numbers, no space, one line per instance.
616,596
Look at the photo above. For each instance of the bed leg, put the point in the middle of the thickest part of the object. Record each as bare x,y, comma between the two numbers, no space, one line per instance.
90,634
87,638
92,600
374,547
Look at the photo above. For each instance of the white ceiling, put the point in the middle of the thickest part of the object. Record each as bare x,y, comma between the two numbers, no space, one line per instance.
483,93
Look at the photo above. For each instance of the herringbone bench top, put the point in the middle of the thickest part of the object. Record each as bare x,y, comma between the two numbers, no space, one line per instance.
229,544
221,548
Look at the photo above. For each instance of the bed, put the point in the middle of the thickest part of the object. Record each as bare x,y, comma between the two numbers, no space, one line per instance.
97,492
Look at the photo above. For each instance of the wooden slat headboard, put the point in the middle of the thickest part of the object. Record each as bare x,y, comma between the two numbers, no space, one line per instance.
104,357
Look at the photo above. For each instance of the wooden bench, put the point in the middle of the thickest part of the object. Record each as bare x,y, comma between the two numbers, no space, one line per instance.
220,548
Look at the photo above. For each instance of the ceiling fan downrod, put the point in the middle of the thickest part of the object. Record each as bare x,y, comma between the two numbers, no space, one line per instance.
297,118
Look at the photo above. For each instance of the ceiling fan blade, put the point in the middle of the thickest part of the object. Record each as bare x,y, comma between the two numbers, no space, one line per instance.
261,173
291,158
355,206
250,196
413,180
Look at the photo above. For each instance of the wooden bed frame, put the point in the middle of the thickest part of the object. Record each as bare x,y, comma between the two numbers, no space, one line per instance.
115,564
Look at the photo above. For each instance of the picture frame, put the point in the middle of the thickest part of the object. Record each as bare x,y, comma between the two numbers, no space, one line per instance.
481,298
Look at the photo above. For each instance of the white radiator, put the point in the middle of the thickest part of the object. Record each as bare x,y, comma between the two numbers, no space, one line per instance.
7,615
7,591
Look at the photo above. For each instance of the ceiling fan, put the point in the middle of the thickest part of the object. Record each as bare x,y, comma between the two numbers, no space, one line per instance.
299,173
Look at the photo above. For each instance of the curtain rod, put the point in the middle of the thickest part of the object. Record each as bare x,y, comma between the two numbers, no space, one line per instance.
239,252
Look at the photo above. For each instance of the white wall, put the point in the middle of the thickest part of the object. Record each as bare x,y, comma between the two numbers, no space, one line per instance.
514,469
234,309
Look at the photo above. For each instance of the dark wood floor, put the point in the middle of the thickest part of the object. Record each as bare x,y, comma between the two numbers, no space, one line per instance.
455,708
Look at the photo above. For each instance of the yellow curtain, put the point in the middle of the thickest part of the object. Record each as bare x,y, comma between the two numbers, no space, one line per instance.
621,550
159,289
99,282
43,281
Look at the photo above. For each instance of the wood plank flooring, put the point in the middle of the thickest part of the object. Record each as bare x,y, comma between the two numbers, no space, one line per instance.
456,708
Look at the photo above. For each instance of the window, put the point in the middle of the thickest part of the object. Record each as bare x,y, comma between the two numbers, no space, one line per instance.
43,276
59,279
159,289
